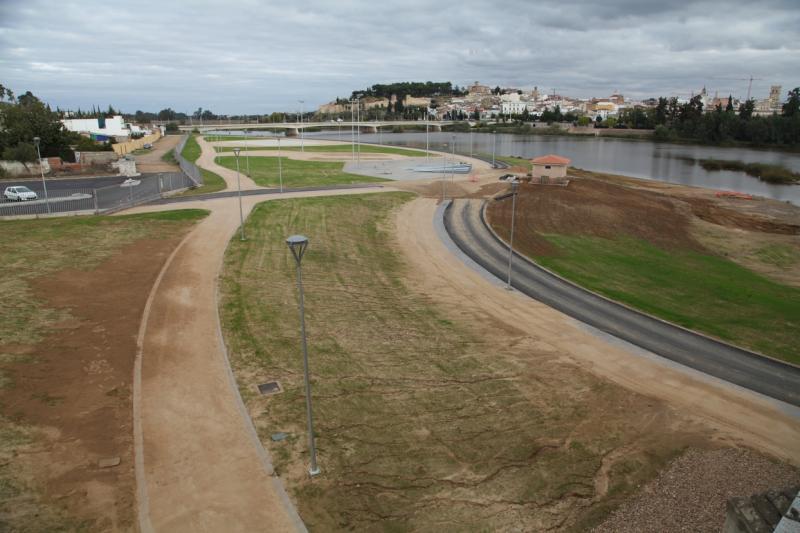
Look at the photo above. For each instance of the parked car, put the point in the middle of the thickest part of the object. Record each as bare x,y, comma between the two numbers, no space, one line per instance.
506,177
130,182
147,146
19,193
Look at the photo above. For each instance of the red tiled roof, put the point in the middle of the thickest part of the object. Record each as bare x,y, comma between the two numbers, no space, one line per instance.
550,159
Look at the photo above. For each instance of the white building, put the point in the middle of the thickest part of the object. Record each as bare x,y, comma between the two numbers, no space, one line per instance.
513,108
110,127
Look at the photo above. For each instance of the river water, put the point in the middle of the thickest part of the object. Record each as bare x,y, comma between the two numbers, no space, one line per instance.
674,163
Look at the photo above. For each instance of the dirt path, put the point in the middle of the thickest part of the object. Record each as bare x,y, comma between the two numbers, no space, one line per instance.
152,162
201,466
737,416
206,161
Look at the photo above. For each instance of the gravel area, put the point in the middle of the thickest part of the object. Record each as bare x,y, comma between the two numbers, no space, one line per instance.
690,494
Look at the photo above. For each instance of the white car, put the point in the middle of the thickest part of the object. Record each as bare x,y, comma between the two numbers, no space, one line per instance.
130,182
19,193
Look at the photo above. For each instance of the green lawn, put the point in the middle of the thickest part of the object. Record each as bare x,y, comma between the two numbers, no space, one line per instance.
264,171
169,157
698,291
336,148
511,160
191,150
212,182
421,421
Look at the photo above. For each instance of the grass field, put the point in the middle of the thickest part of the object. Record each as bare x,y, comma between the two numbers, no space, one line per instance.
420,424
212,182
638,248
44,248
264,171
169,157
336,148
511,160
698,291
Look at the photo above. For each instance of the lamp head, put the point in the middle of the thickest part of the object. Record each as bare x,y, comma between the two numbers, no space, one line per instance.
297,244
36,141
236,151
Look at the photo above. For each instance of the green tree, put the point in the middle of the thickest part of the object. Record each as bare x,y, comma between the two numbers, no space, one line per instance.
792,106
30,118
746,109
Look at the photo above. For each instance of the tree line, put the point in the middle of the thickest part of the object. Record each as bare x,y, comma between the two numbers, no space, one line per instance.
673,120
413,88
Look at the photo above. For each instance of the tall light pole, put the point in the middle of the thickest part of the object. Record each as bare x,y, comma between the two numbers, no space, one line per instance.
427,137
494,148
280,169
514,187
471,142
302,142
353,127
239,187
358,131
246,151
36,141
298,244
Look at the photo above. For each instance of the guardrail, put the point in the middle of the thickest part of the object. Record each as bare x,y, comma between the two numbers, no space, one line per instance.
190,169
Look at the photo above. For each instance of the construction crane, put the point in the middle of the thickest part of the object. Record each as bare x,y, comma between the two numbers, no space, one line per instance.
749,84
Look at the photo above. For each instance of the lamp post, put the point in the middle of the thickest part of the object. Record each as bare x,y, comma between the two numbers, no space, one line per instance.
358,131
427,137
239,187
280,170
246,151
302,143
494,148
36,141
353,128
514,187
298,244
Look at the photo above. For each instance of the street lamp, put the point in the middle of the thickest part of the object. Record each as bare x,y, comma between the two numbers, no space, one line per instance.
239,187
280,170
514,187
302,143
246,151
298,244
36,141
494,148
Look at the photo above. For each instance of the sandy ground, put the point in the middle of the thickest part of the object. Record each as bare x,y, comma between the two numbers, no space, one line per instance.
152,162
737,416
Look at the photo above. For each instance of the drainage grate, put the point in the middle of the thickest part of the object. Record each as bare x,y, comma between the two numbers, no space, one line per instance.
270,387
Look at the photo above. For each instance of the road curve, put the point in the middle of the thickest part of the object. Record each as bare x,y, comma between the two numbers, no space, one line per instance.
465,225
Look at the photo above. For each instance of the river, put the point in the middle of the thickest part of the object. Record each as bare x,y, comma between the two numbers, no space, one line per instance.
674,163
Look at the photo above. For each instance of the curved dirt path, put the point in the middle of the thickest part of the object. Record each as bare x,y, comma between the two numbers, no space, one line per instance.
207,161
737,415
199,463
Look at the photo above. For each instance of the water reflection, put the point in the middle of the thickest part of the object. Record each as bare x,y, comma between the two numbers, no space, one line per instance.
672,163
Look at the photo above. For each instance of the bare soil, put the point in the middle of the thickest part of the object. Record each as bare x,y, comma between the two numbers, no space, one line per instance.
152,162
74,390
669,216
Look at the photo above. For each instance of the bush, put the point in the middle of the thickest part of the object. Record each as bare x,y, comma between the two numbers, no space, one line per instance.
23,152
172,127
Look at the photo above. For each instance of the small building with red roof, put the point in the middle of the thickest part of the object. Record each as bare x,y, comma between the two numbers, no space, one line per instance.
549,166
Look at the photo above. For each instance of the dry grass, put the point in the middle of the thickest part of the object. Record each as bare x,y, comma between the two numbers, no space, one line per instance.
421,423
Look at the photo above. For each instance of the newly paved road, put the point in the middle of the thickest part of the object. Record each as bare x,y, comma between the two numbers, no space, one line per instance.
772,378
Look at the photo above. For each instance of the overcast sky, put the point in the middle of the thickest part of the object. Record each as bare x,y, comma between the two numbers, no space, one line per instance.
237,56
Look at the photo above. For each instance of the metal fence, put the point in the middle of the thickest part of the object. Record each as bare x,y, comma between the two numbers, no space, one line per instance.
188,168
132,192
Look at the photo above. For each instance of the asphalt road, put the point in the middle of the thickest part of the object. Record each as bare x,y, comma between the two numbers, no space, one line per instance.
67,184
772,378
76,194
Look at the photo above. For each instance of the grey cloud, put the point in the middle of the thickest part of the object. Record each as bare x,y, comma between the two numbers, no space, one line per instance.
254,56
